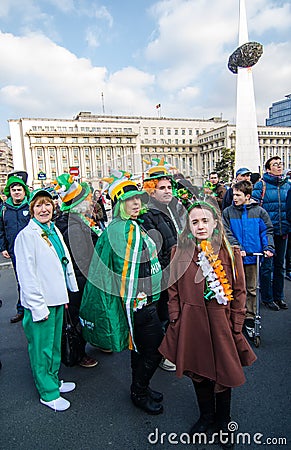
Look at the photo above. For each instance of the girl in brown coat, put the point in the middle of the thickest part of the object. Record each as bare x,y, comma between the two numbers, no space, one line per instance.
207,309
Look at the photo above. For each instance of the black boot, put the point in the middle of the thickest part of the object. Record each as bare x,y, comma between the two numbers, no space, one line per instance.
142,395
155,395
223,400
206,402
141,399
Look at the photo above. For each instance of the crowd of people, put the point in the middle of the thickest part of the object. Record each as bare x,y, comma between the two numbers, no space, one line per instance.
174,266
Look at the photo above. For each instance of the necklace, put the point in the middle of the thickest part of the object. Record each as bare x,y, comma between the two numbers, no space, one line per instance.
217,284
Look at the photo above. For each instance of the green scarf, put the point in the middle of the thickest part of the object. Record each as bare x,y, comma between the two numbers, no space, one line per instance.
9,201
51,234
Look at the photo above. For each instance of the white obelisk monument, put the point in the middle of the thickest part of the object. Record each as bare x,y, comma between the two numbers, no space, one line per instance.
247,152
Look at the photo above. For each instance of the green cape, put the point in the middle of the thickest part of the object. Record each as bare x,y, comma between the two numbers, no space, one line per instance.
106,311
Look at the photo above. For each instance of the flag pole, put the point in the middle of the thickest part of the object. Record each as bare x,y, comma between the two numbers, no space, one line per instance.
158,107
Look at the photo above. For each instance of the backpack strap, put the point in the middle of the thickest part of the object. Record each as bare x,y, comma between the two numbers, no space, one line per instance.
263,192
3,211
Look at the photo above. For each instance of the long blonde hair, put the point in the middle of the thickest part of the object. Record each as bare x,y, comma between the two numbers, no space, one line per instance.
218,238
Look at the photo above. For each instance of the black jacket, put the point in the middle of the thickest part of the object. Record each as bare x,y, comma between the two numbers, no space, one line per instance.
161,228
12,220
227,199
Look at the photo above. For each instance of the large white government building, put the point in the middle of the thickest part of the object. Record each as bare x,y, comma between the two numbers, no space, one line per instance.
95,144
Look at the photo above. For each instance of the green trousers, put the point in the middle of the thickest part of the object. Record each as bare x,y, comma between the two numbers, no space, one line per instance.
44,348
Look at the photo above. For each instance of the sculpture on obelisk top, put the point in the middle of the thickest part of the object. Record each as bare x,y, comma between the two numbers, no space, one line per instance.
247,153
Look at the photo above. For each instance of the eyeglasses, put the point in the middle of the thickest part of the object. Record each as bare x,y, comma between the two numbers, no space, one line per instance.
277,164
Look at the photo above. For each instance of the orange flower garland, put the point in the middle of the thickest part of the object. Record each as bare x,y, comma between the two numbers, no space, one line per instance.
217,269
90,221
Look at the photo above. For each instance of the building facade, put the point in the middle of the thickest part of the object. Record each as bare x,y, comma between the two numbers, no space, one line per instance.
280,113
272,141
6,162
96,144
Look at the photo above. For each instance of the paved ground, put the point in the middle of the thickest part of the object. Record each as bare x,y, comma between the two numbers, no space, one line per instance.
101,415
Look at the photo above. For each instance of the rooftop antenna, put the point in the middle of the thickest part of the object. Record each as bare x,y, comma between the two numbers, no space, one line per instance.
103,108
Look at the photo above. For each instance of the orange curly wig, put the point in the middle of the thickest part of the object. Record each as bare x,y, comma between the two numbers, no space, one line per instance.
150,185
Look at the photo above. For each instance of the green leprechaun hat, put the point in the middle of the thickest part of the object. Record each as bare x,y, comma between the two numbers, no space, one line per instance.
122,187
159,168
16,177
70,191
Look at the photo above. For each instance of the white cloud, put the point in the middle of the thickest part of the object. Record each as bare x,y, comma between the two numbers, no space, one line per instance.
273,16
103,13
55,78
184,66
12,93
40,78
92,38
94,35
272,77
192,43
129,91
63,5
4,8
188,40
186,32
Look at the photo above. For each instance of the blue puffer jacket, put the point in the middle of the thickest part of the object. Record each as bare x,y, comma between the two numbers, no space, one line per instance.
274,201
12,220
288,206
249,227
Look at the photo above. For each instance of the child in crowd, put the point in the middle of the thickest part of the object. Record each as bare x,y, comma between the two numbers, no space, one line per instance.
248,226
207,311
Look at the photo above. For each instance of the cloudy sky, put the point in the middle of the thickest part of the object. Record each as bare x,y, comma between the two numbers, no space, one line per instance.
59,56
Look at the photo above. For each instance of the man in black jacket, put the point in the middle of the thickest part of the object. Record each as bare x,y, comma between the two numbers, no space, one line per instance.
163,221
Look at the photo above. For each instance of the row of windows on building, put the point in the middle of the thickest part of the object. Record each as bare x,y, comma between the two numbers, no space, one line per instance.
108,140
274,133
84,140
170,131
109,151
212,137
85,150
281,112
89,170
81,129
153,130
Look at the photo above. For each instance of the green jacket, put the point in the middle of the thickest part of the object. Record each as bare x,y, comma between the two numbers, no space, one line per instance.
109,296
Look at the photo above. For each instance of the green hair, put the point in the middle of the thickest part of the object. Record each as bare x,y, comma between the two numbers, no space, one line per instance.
122,211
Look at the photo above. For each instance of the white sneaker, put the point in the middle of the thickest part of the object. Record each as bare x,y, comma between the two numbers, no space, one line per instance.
165,364
60,404
66,387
